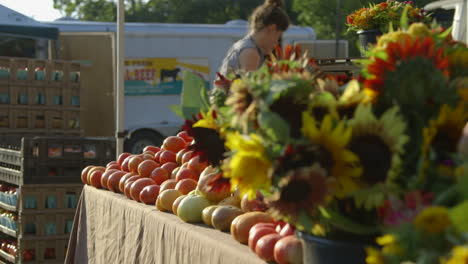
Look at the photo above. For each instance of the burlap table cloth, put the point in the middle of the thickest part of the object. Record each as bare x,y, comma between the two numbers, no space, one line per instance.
109,228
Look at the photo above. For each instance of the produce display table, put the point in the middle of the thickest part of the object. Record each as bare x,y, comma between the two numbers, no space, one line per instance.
109,228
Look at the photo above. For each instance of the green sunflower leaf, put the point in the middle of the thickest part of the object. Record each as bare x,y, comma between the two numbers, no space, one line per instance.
274,126
404,18
459,217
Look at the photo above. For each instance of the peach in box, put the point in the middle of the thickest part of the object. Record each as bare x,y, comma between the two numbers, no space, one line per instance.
138,185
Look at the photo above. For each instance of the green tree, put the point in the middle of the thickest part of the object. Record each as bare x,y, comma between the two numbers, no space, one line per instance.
171,11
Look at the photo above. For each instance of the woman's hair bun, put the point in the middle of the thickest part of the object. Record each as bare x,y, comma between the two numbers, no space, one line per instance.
277,3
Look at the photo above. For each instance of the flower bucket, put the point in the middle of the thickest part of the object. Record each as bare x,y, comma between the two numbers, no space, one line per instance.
318,250
366,38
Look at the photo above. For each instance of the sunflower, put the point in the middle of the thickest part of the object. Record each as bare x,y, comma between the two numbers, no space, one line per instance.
302,189
389,244
336,159
242,103
374,256
350,99
379,144
208,137
443,134
390,82
459,255
208,120
322,104
432,220
249,169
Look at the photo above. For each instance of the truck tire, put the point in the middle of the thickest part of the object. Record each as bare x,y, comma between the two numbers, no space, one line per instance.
141,139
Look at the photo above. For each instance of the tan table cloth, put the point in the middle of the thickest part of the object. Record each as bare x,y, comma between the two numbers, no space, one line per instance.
109,228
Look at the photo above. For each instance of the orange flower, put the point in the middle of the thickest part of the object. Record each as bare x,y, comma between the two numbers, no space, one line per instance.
398,53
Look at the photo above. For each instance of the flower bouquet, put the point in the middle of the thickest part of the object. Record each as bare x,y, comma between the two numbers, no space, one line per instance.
381,16
373,161
370,22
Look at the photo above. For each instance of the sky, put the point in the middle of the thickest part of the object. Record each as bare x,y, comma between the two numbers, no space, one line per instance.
41,10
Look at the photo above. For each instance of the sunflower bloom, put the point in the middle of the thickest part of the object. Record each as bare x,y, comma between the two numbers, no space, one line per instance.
432,220
208,120
249,168
302,189
385,136
459,255
398,56
332,140
389,245
443,133
374,256
242,103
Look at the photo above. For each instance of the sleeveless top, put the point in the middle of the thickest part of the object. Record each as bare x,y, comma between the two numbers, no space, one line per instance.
231,61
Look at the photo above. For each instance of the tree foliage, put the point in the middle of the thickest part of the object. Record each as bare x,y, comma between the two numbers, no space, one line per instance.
171,11
319,14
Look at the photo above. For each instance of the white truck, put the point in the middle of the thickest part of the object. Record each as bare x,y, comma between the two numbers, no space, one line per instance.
155,57
452,13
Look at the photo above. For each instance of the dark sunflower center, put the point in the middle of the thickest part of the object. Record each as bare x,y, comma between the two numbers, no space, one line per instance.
375,157
295,191
319,112
248,99
325,159
291,111
444,142
347,111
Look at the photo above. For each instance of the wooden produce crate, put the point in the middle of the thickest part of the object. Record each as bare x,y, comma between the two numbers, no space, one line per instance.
37,250
53,159
45,218
35,72
39,96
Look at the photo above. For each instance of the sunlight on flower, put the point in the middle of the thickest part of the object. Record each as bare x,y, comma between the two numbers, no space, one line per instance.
459,255
333,138
249,169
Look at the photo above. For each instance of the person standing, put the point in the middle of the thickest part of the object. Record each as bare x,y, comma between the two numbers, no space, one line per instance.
267,24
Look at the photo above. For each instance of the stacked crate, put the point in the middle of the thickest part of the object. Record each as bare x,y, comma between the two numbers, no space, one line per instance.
39,191
40,176
39,97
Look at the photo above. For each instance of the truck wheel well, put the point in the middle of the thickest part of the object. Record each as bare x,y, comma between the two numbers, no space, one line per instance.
140,138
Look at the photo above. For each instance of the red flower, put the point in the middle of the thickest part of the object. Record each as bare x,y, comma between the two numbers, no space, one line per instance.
400,52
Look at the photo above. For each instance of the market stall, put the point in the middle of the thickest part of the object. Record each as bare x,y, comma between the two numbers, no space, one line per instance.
109,228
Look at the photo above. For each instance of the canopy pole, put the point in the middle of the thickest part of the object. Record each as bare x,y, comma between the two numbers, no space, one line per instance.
120,95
